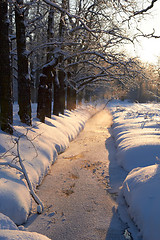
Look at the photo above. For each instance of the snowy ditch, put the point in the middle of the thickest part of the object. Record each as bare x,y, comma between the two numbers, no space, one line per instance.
136,129
38,148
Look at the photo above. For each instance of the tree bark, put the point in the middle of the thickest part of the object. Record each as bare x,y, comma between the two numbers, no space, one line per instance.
56,106
71,98
44,96
5,72
41,111
50,75
44,107
80,97
24,88
61,77
59,84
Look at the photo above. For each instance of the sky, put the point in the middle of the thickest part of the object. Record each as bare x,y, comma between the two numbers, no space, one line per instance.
148,50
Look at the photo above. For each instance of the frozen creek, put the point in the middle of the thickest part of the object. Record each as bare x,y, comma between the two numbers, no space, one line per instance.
77,203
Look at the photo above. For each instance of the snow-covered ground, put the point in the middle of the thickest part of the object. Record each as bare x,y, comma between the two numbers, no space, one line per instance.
77,205
37,147
136,129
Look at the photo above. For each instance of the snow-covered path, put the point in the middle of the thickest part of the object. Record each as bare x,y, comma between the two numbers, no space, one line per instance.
77,204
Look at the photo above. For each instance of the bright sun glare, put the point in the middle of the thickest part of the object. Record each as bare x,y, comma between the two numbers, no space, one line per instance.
148,50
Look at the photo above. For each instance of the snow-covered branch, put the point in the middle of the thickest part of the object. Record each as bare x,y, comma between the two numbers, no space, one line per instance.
145,9
21,168
40,207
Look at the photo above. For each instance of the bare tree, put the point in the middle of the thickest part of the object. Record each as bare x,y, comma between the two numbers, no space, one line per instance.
73,47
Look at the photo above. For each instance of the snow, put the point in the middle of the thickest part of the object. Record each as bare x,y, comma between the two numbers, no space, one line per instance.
6,231
7,223
39,147
136,129
20,235
140,189
74,192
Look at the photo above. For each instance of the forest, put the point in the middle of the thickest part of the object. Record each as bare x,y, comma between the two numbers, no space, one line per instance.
59,53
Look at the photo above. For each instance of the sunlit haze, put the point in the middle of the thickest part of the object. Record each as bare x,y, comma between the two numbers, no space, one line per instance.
148,50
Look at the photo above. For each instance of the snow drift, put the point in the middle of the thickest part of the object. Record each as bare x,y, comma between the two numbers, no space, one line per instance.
136,130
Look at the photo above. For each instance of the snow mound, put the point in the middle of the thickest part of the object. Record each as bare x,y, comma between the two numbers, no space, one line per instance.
21,235
6,231
15,200
141,192
136,130
7,223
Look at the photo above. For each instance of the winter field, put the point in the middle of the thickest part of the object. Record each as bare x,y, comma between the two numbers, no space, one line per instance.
136,132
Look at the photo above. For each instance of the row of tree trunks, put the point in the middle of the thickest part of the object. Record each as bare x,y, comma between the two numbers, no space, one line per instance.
50,78
45,91
45,95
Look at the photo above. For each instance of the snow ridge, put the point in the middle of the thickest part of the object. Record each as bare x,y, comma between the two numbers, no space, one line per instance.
136,129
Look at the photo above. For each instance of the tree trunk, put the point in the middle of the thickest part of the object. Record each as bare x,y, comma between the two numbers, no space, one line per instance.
5,72
56,106
50,75
71,98
80,97
87,95
61,77
41,110
60,90
24,88
74,98
44,107
48,97
44,97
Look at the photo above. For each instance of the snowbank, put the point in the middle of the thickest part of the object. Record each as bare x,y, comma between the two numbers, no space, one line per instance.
141,192
7,223
21,235
6,231
136,130
39,146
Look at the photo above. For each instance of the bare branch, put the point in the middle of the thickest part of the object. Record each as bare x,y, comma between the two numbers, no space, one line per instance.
149,35
62,10
146,9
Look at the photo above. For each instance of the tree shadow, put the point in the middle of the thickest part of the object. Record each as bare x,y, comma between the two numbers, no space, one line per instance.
116,228
31,220
116,177
117,174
